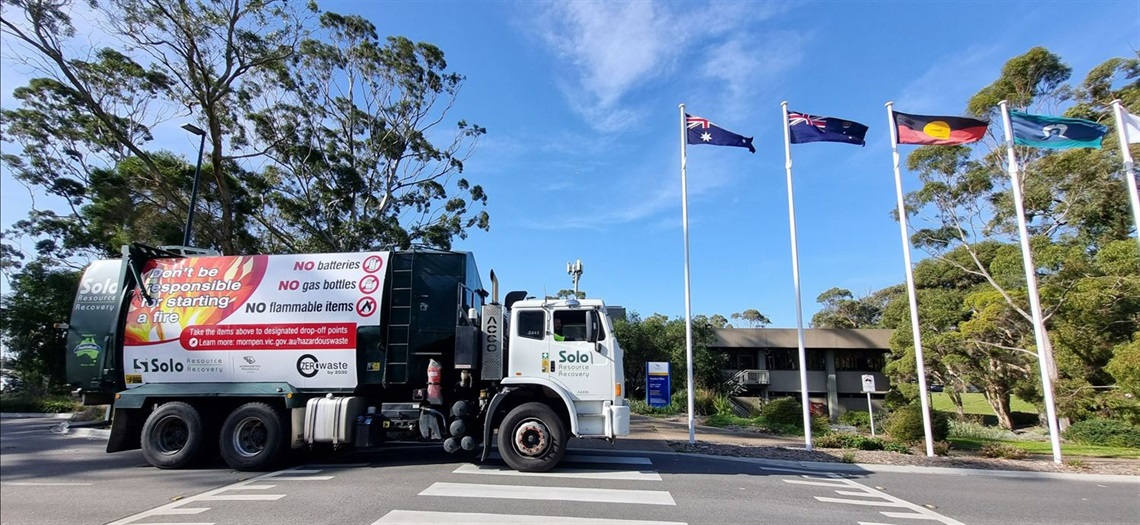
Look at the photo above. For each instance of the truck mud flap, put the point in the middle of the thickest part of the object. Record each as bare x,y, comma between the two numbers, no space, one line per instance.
126,430
488,422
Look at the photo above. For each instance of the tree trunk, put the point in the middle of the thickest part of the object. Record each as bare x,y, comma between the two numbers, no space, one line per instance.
956,398
999,400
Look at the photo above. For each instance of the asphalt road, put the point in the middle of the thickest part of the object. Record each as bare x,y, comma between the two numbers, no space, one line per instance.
50,479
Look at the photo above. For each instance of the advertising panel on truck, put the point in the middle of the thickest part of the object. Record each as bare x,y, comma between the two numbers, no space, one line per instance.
290,318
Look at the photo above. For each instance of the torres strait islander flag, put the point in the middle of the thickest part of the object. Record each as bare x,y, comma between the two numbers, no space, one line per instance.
938,130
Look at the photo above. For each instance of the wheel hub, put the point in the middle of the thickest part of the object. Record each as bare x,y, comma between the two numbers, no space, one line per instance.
250,437
172,435
532,438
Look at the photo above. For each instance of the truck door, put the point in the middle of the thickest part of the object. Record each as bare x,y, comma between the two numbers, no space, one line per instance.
584,367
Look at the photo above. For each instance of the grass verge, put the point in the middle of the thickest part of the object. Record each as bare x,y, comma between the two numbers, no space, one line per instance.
1045,447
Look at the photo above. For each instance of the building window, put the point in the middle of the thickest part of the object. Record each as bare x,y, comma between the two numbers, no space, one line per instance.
788,359
859,361
741,359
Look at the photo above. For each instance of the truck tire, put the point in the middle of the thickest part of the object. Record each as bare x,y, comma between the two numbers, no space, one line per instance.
172,435
532,438
252,437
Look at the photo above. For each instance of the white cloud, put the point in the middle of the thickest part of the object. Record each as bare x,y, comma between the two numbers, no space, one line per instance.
615,50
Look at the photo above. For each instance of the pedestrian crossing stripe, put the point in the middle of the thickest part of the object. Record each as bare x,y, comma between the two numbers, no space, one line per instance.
411,517
622,475
469,490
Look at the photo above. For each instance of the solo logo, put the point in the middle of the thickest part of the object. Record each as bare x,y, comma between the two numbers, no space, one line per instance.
308,366
155,365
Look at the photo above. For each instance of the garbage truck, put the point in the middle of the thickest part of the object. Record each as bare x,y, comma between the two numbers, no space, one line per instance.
253,356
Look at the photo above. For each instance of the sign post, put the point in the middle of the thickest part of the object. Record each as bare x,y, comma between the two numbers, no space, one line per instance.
868,387
657,390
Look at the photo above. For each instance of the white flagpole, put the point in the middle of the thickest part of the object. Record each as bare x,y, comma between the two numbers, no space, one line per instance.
1031,284
796,281
920,363
1122,133
688,302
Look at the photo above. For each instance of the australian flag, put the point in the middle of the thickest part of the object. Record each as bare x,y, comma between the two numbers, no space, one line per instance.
810,128
701,131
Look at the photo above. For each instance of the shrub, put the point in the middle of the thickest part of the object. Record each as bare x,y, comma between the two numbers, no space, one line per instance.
941,448
783,411
856,418
895,446
848,457
905,424
1104,432
973,429
848,440
50,405
1002,450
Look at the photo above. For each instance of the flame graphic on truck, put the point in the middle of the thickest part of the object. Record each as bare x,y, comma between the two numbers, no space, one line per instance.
189,292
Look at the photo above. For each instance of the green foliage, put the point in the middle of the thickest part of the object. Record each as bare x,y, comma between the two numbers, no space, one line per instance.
848,440
753,317
783,411
1104,432
658,338
970,429
905,425
33,404
895,446
842,310
848,457
39,298
941,448
856,418
1002,450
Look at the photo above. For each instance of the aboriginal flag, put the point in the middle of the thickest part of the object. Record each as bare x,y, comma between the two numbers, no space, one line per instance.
938,130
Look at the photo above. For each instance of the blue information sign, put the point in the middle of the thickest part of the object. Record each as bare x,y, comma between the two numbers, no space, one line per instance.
657,384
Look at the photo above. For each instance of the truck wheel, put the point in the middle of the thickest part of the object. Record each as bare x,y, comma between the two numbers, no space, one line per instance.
251,437
532,438
172,435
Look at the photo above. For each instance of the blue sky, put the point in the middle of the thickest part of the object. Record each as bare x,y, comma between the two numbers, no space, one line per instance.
582,157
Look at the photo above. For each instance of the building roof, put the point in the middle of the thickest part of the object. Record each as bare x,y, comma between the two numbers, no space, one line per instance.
858,338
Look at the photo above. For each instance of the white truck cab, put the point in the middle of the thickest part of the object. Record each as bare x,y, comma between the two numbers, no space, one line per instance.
562,354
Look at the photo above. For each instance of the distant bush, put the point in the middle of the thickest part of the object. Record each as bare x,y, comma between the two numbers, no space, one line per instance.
783,411
895,446
848,440
855,418
975,429
1104,432
1002,450
905,424
37,405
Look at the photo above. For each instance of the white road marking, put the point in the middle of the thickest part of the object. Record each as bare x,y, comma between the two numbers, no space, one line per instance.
619,460
625,475
169,523
302,478
411,517
588,458
185,511
909,516
882,499
243,497
815,483
45,484
179,507
466,490
867,502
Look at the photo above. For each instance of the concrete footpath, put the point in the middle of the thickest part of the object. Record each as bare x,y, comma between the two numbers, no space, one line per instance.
652,436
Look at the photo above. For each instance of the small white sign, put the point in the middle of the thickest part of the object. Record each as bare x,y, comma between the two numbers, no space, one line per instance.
868,383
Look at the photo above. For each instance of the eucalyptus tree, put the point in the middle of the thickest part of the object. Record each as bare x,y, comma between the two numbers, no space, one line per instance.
356,130
153,61
1076,215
